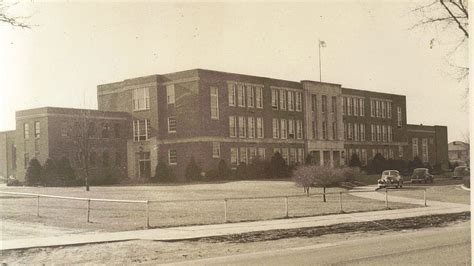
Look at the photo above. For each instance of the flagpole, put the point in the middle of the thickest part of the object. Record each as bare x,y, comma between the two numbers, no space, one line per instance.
319,45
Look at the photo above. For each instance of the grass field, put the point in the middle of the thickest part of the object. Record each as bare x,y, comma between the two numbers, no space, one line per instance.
203,204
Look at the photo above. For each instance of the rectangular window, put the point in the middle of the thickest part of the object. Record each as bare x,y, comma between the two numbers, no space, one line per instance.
250,96
274,99
390,154
362,107
282,100
172,157
251,127
259,127
334,130
400,151
241,95
299,101
292,156
214,103
231,94
141,99
356,132
389,133
373,133
232,127
259,97
242,127
385,153
37,129
300,158
252,153
384,109
399,116
389,109
344,105
141,130
377,108
313,102
355,102
299,129
333,104
313,129
283,128
362,132
325,130
291,100
261,153
234,156
170,94
26,131
379,135
276,129
350,131
424,150
384,133
291,129
171,125
372,108
345,132
284,154
324,103
243,155
216,150
64,129
349,106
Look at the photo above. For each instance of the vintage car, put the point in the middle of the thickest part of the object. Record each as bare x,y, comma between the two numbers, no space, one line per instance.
421,175
460,172
390,178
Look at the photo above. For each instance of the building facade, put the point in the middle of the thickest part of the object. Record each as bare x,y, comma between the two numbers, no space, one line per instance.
212,116
458,152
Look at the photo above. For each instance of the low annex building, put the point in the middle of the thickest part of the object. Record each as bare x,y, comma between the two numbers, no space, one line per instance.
213,116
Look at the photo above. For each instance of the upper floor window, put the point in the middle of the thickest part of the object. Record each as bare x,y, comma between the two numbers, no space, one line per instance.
390,133
399,116
291,100
274,99
299,129
231,92
259,127
250,96
299,101
333,104
324,103
344,105
373,133
141,130
251,126
377,108
37,129
349,106
242,127
259,97
105,130
334,130
362,132
232,127
214,103
356,132
313,102
414,143
389,109
26,131
356,106
170,94
240,95
141,99
379,135
283,128
171,124
291,129
384,109
325,130
362,107
276,129
282,100
372,108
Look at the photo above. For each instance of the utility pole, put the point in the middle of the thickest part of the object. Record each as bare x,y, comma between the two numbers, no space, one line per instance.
320,44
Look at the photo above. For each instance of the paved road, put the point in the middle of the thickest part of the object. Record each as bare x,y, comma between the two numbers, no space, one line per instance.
441,246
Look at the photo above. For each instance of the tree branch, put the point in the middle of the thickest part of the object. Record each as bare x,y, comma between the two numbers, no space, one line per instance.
460,26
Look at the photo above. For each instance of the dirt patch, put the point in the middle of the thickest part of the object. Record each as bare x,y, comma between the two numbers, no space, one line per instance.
381,225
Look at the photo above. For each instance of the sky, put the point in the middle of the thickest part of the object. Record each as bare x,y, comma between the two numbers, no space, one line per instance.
73,47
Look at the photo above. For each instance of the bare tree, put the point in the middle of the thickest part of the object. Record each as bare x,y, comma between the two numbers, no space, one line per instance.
317,176
15,21
81,139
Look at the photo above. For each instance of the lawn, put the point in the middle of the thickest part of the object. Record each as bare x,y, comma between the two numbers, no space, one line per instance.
438,192
199,204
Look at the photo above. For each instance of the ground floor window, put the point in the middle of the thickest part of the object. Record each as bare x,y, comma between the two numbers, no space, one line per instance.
234,155
172,157
216,150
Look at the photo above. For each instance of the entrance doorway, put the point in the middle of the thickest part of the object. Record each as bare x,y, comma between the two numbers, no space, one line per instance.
144,165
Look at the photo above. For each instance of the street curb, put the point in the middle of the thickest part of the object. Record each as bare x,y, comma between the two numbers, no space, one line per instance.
465,188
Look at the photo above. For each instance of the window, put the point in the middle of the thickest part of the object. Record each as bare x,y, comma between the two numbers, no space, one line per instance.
400,151
384,109
355,102
313,102
299,101
282,100
105,130
283,129
362,107
372,108
424,150
373,133
362,132
214,103
118,159
291,101
384,133
259,127
26,131
364,156
344,105
349,106
231,94
172,157
300,158
399,116
171,124
251,126
299,129
390,133
232,127
252,154
274,99
390,154
389,109
377,108
26,160
276,150
414,143
64,129
243,155
345,131
261,153
291,129
37,147
276,129
313,129
325,130
385,153
141,130
333,104
170,94
284,154
250,96
37,129
216,150
324,103
234,156
241,95
334,130
292,156
356,132
141,99
105,158
242,127
350,131
379,136
259,97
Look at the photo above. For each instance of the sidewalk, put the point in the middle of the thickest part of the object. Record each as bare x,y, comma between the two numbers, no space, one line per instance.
192,232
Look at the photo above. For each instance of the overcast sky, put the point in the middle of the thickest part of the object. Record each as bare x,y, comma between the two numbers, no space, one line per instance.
73,47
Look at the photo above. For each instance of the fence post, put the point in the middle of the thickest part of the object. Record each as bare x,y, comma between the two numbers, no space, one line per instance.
340,201
386,198
147,214
225,210
38,205
286,207
88,209
424,197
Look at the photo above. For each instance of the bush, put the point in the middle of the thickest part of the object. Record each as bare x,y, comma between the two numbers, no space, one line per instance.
104,177
49,175
351,173
258,169
377,164
355,161
33,173
193,171
66,173
162,172
279,169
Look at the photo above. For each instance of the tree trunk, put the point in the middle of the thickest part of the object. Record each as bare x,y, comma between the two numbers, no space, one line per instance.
324,194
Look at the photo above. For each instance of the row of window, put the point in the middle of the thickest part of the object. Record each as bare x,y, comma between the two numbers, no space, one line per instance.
26,130
353,106
287,129
324,131
356,132
243,95
380,108
287,100
324,103
363,153
246,127
246,155
141,97
424,149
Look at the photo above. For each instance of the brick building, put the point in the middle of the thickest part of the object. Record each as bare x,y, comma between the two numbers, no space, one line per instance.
211,115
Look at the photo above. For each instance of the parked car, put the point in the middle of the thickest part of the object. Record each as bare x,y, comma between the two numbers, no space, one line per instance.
460,172
421,175
390,178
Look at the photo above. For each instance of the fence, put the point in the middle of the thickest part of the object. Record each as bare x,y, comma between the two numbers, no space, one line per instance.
275,206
